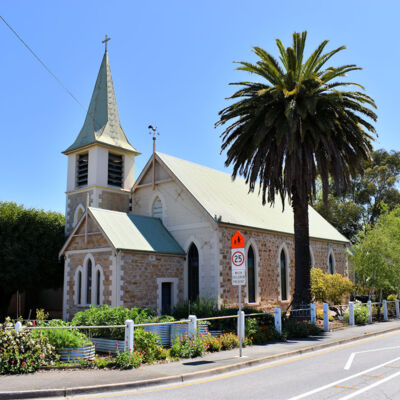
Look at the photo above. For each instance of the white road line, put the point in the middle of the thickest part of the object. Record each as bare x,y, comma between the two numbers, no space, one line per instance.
371,386
321,388
349,361
352,355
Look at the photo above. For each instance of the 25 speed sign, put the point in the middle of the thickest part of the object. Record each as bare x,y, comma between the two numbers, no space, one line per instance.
238,260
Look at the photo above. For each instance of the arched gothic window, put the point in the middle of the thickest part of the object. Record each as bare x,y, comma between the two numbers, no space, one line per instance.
193,273
98,284
78,214
284,274
312,260
157,208
331,264
89,281
251,276
79,288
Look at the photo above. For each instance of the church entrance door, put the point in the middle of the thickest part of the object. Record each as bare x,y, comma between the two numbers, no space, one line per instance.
166,298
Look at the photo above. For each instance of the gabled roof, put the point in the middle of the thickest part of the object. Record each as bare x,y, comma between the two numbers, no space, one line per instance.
135,232
102,125
230,202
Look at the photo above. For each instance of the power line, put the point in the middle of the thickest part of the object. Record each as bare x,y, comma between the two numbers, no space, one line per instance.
42,63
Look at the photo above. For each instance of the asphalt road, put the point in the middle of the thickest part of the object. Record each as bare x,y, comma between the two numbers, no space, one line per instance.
365,369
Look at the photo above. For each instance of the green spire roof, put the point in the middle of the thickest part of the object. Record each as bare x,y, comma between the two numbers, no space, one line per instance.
102,123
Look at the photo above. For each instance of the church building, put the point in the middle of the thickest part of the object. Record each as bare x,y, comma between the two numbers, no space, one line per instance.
165,237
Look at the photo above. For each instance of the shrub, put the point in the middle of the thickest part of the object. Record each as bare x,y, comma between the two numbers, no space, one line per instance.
265,334
213,344
329,287
148,344
251,327
23,352
127,360
188,347
360,315
229,341
295,329
64,338
204,307
320,315
392,297
106,315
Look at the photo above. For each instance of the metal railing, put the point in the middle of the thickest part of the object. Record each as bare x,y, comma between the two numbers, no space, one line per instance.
377,311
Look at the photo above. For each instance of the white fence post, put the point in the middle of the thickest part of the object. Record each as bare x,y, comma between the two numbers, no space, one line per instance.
240,325
278,320
326,317
313,314
397,308
18,326
385,311
369,305
129,335
192,326
351,313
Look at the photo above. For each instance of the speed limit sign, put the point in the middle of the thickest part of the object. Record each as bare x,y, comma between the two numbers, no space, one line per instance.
238,260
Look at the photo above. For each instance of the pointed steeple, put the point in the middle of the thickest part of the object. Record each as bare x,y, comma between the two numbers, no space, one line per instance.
102,125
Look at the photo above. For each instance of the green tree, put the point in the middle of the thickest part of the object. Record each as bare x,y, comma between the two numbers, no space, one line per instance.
30,241
376,257
295,123
369,192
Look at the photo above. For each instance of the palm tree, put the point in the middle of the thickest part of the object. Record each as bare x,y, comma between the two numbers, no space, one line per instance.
296,123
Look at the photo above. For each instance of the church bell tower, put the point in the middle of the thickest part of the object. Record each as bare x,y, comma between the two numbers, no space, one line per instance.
101,161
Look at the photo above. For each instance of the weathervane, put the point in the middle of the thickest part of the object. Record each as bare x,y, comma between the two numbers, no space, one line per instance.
153,131
105,41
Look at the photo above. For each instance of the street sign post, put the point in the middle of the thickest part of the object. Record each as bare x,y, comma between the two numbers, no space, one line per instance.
238,271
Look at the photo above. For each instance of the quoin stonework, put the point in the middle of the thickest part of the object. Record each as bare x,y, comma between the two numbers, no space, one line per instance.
165,237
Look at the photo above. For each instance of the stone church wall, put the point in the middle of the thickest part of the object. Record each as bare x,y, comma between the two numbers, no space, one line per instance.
114,201
74,260
73,201
139,274
76,253
188,223
267,248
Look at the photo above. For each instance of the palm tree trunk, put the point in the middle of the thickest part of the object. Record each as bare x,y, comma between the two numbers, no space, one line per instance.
302,288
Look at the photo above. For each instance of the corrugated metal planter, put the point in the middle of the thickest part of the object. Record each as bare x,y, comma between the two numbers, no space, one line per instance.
163,331
108,345
216,333
181,330
79,353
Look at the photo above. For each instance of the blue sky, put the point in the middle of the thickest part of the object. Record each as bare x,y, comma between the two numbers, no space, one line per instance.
171,64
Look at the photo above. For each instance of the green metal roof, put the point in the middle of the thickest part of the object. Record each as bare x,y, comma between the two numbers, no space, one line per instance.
230,201
135,232
102,125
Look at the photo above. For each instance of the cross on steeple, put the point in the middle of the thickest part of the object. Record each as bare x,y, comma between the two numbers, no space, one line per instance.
105,41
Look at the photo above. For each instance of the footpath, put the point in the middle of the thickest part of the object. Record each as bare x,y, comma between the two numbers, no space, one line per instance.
63,383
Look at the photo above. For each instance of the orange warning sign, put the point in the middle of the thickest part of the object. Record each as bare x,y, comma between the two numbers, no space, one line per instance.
237,241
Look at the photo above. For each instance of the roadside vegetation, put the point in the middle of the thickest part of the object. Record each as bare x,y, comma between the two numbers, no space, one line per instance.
31,349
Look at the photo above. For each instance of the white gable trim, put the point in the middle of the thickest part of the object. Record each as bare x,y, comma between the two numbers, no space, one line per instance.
175,179
72,234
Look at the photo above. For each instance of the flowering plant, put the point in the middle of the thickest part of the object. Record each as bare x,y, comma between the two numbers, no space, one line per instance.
189,347
127,360
24,351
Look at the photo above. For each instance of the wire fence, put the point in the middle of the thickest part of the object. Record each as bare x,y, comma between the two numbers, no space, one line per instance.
121,334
